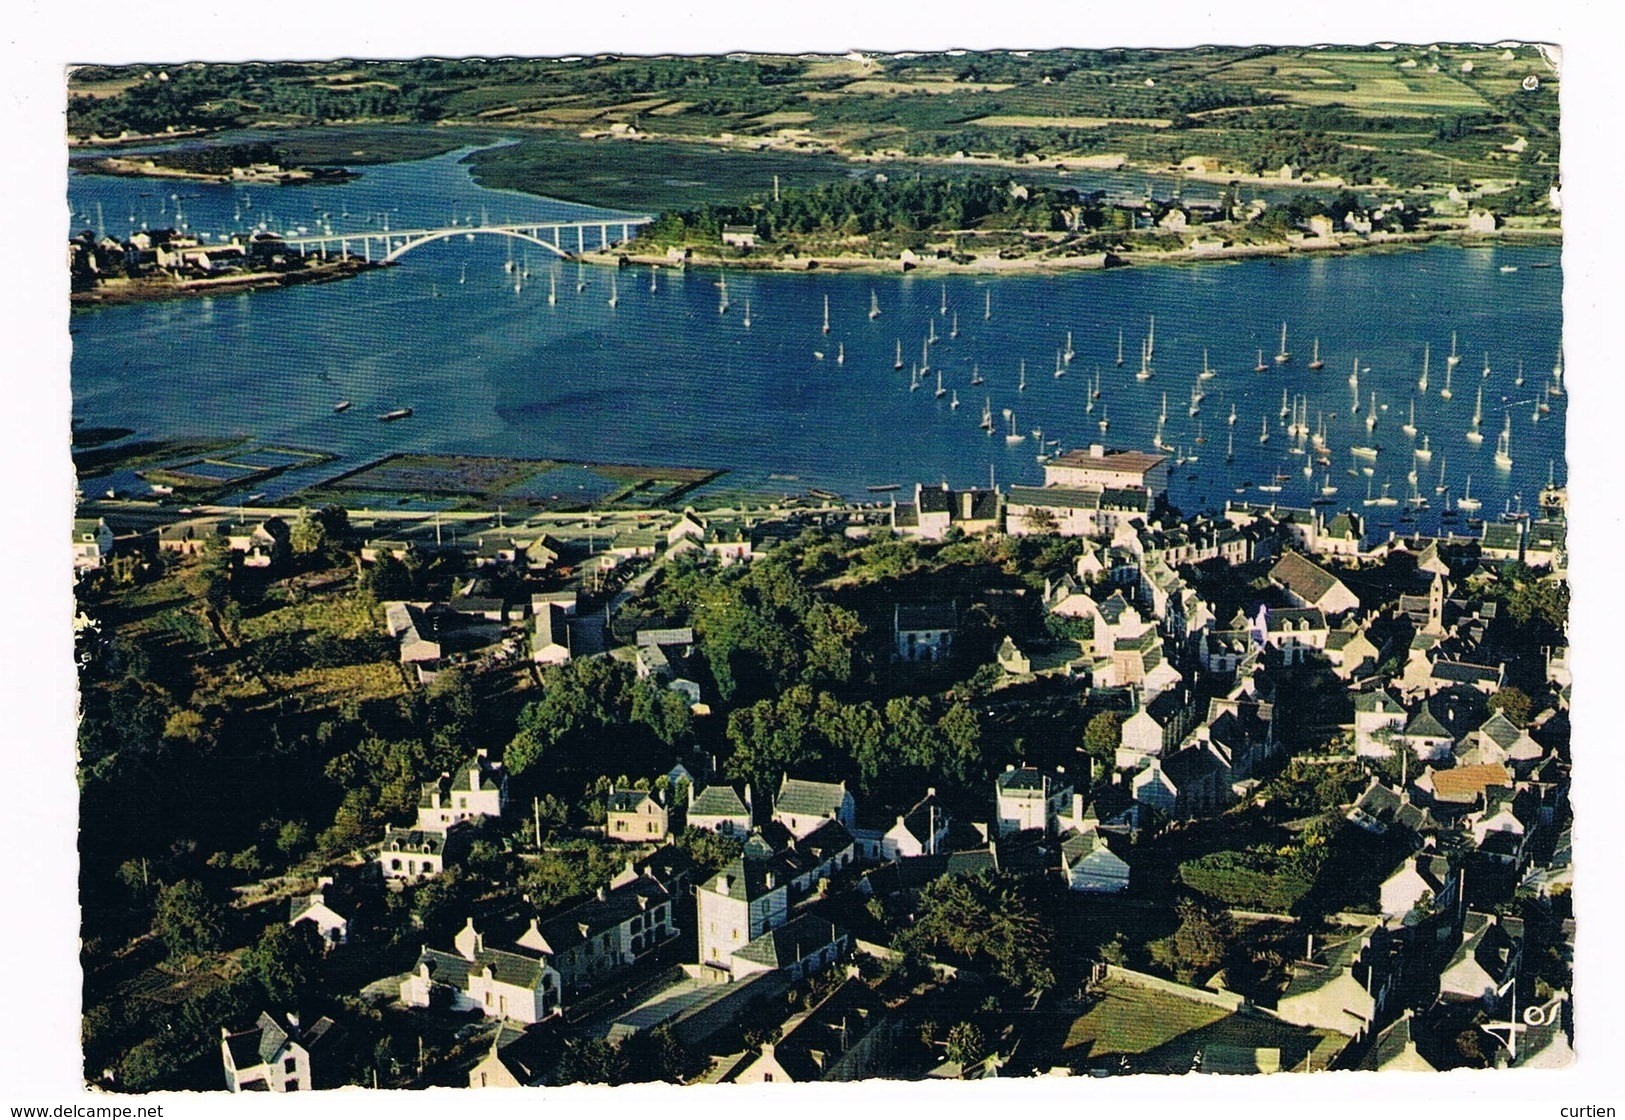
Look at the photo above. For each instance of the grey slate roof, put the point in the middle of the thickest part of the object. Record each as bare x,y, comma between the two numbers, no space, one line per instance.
792,942
1302,576
806,798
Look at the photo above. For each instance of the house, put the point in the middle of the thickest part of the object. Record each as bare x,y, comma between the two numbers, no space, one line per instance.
1379,809
550,638
1501,540
1462,785
618,926
92,543
688,526
738,904
1347,986
1187,783
1108,469
1073,511
924,633
1484,963
1307,584
803,806
1351,652
1157,726
1294,631
1394,1048
1011,659
273,1055
1026,798
847,1037
331,926
921,831
410,854
1378,716
720,809
936,509
803,946
1427,736
1499,740
518,1057
636,816
498,983
476,789
1423,876
1088,864
1505,824
410,625
740,237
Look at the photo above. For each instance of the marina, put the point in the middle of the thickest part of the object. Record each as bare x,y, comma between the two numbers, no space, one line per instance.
501,366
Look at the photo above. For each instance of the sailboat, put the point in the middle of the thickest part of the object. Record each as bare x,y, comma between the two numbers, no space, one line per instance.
1095,392
1486,370
654,277
1455,357
1314,358
581,279
1445,392
874,304
1260,367
507,265
943,310
1144,372
1284,408
1264,434
1162,417
552,289
1371,415
913,378
1196,401
1467,501
1326,487
1060,365
1503,446
1425,452
941,392
987,306
1103,422
826,314
1440,488
1319,438
953,331
1207,371
1354,376
953,402
987,415
1556,389
1151,340
1474,436
1385,500
1232,419
1518,381
1230,448
1422,382
931,332
614,291
1021,383
840,355
722,299
463,276
1012,436
1283,356
747,313
976,377
1119,346
1409,426
1068,353
897,363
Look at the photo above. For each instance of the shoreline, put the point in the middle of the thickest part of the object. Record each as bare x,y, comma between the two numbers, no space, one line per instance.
1126,258
147,169
150,290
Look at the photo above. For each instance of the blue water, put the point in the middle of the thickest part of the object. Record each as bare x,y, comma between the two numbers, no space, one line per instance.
663,378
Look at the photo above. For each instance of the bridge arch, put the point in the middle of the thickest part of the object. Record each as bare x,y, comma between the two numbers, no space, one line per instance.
498,231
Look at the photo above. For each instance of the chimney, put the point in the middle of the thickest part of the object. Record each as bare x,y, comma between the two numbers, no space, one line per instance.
724,885
1009,766
1077,807
601,894
1309,952
293,1021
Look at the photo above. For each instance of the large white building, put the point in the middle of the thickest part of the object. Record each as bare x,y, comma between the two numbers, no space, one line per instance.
1097,466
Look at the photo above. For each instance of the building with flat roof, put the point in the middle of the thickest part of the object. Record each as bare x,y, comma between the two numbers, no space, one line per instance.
1097,466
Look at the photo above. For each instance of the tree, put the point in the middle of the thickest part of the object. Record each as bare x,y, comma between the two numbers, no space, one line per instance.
188,921
286,961
1102,736
1197,946
307,536
1514,703
965,1044
389,578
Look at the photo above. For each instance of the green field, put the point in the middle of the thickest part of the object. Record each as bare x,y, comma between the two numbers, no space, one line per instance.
1351,112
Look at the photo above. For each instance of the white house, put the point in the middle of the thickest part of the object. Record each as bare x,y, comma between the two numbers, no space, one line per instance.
803,806
272,1055
738,904
333,927
720,809
92,542
478,788
498,983
1378,716
410,854
920,832
1089,865
1307,584
1026,798
924,633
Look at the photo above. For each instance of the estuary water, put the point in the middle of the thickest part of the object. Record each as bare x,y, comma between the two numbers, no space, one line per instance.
490,364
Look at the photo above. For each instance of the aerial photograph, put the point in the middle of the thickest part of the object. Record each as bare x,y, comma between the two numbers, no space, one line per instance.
801,567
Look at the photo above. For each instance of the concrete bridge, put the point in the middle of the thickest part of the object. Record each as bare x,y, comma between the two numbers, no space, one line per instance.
566,239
